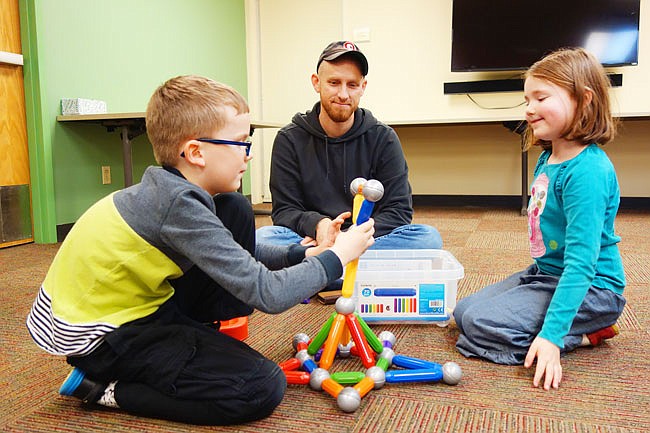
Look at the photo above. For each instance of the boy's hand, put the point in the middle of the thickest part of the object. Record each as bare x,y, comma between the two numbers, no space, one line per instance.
351,244
548,363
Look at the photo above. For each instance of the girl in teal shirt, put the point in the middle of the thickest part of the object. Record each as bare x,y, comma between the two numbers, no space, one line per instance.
572,295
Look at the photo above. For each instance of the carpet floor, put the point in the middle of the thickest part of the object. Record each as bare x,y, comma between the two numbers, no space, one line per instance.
605,389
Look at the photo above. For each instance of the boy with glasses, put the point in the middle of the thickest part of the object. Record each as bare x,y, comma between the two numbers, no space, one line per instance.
142,272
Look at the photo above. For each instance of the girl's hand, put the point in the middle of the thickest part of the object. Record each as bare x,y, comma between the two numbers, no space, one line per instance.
548,363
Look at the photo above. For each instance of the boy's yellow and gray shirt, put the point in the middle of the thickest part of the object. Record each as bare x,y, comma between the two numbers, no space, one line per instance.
115,264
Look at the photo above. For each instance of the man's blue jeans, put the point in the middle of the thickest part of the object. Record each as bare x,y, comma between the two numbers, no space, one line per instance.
407,237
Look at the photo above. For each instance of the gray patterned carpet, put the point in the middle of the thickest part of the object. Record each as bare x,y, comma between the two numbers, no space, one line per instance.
605,389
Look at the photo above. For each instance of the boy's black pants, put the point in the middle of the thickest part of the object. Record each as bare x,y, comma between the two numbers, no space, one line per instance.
171,365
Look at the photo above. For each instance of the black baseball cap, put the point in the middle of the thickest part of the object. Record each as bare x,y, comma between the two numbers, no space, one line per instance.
339,48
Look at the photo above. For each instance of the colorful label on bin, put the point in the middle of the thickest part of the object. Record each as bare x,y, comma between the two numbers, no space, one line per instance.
406,300
432,299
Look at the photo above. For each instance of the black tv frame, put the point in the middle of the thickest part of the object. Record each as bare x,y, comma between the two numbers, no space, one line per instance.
524,31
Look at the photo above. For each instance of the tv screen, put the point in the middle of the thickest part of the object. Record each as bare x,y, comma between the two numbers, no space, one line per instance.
496,35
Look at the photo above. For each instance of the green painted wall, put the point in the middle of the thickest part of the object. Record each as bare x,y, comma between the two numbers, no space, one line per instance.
118,51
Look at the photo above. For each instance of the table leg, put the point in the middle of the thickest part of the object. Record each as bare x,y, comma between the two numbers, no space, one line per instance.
127,157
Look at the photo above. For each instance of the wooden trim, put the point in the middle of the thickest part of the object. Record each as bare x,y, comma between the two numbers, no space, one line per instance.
18,242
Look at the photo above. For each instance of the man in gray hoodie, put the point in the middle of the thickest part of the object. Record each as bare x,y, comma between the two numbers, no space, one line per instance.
316,157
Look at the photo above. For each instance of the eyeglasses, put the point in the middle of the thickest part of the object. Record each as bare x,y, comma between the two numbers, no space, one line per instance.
246,144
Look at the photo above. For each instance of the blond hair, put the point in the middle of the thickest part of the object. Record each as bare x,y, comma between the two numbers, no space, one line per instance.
184,108
578,72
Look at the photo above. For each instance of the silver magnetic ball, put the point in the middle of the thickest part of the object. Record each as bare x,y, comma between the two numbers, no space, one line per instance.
451,373
303,356
377,375
299,338
349,399
387,354
387,336
356,183
373,190
317,377
345,349
344,305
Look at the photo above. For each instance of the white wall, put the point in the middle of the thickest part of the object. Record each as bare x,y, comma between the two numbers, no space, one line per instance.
287,36
409,56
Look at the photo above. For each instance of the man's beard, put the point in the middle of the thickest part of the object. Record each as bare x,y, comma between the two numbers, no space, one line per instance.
338,115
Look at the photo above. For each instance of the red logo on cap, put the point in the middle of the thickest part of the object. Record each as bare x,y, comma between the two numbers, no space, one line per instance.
350,46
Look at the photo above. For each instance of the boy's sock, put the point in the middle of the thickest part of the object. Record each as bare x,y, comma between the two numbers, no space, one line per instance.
80,386
595,338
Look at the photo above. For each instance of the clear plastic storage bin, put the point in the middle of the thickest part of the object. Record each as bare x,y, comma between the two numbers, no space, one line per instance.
407,286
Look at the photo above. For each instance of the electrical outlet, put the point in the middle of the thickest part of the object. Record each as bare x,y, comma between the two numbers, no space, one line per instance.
106,174
361,34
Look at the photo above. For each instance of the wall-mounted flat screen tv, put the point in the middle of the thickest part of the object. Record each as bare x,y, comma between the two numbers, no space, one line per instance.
497,35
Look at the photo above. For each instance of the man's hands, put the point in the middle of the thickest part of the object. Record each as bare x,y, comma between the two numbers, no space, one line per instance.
325,229
347,245
548,363
329,232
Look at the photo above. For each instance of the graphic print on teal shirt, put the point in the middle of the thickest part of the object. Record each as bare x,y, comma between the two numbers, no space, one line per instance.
539,195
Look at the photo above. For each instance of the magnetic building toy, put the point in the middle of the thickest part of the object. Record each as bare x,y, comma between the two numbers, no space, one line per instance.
345,333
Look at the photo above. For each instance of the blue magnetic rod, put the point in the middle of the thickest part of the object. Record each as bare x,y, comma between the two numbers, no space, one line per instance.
421,375
413,363
309,365
365,211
